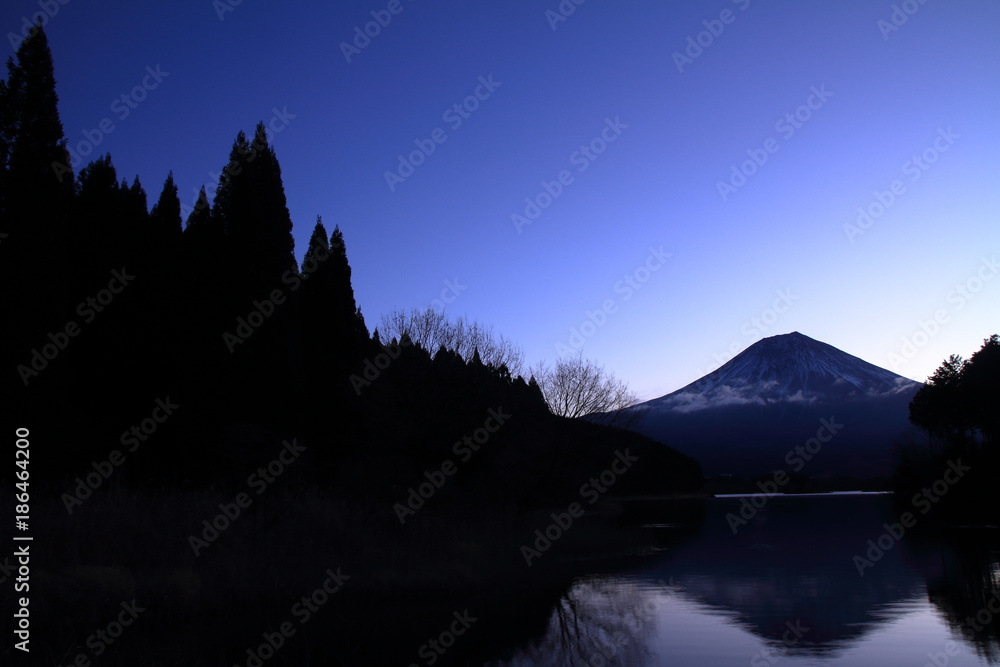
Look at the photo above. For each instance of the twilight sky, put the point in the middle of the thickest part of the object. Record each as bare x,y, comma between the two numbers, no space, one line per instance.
670,200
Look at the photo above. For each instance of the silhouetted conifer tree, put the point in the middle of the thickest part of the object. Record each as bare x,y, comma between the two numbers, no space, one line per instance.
318,249
136,207
958,404
939,406
163,283
982,389
345,305
40,179
202,246
36,188
166,215
110,225
203,238
257,261
334,337
250,203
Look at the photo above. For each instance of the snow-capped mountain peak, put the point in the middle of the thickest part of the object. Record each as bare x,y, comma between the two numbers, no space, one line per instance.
788,368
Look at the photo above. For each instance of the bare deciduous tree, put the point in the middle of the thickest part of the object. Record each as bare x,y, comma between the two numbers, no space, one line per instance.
576,387
431,329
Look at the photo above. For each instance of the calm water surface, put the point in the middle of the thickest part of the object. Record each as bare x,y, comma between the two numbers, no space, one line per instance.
785,589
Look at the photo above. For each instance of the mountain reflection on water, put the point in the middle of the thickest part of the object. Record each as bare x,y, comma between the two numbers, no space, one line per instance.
786,588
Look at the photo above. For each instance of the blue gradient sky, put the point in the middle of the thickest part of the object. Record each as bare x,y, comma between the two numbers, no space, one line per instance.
777,242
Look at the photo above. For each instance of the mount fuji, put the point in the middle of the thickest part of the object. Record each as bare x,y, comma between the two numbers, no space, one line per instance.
765,410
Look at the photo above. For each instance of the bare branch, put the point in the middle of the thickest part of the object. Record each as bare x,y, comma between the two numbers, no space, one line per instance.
578,388
431,329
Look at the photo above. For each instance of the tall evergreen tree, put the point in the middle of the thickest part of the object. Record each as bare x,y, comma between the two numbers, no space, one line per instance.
39,172
346,308
257,257
334,336
318,249
136,203
135,223
250,202
165,219
203,241
166,213
110,224
328,299
222,205
201,309
36,188
200,219
958,404
939,406
981,385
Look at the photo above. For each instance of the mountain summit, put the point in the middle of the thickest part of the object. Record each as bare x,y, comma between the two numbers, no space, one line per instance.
789,368
754,415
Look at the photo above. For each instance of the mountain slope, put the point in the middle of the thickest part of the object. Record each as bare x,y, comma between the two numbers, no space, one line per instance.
790,368
749,416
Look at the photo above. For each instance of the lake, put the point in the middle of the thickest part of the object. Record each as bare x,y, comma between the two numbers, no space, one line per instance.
795,582
800,580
